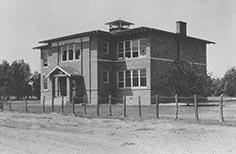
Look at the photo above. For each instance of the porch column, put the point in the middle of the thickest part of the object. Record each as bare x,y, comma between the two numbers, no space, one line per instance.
68,87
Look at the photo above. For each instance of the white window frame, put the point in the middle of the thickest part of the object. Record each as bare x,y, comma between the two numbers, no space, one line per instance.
107,45
131,49
45,80
68,52
107,76
131,72
75,53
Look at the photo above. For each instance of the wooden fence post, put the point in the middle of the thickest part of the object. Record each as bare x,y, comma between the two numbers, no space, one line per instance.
43,104
52,103
196,107
177,107
62,104
221,108
124,106
73,104
2,106
10,104
110,107
98,107
157,106
85,104
139,106
26,104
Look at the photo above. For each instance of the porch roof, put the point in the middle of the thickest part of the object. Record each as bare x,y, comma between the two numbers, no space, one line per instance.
68,70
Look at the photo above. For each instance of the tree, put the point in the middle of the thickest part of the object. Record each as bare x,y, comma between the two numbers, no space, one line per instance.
229,82
20,74
187,79
36,84
5,79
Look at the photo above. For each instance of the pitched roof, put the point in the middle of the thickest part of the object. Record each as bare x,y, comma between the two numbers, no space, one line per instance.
147,29
76,36
119,33
68,70
119,22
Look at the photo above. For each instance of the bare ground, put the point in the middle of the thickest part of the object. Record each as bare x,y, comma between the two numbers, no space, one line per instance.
26,133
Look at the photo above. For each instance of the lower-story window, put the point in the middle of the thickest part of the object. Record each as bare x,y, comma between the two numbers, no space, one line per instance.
132,78
45,83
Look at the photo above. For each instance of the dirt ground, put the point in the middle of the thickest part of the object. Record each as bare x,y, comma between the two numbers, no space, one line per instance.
27,133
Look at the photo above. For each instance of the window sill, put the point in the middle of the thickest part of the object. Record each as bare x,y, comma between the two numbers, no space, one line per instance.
131,88
45,90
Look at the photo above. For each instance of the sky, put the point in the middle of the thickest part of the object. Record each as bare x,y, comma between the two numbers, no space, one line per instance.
23,23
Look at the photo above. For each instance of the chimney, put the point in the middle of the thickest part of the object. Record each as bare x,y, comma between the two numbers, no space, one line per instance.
181,28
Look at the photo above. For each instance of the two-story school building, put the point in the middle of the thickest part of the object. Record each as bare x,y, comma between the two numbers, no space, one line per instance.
122,61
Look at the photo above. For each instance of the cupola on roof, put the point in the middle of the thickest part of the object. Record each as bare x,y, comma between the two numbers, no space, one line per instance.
118,25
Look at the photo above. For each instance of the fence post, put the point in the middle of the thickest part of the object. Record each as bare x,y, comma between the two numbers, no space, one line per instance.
196,107
98,107
139,106
62,104
73,104
2,106
221,108
157,106
124,106
26,104
177,107
43,104
10,103
84,104
52,103
110,107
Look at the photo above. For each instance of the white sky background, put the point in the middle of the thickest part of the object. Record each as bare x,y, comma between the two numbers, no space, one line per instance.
25,22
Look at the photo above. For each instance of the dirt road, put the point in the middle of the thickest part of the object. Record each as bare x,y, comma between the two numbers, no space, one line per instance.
22,133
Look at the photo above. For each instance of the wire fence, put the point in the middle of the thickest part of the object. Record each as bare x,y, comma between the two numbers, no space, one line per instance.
172,107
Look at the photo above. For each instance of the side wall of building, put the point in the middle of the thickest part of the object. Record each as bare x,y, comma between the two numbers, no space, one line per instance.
164,51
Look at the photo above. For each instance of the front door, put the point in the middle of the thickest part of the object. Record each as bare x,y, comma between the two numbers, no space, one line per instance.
63,86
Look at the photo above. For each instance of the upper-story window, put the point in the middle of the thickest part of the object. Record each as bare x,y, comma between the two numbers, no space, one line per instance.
64,53
70,52
77,51
120,50
105,47
105,76
132,78
132,48
45,59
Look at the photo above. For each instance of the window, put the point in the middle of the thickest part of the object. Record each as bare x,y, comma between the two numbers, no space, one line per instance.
77,51
45,83
135,78
71,52
128,78
143,44
120,50
64,53
135,48
105,47
132,48
127,49
105,76
132,78
121,79
45,59
143,79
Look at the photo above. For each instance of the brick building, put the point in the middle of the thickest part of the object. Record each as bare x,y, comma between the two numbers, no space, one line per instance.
124,61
